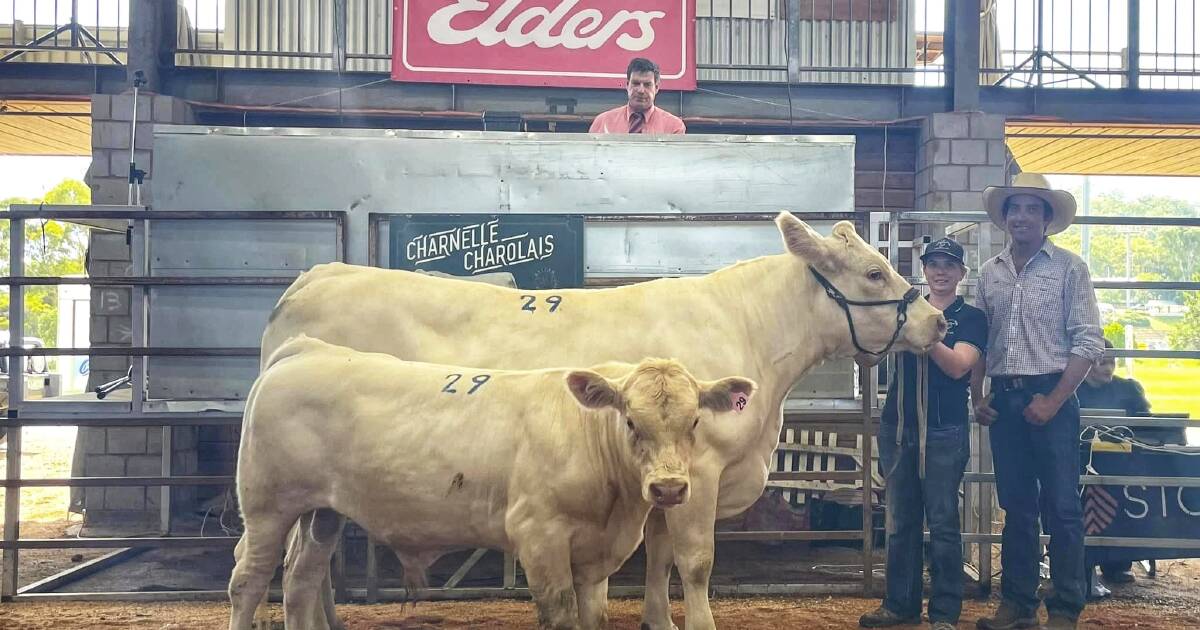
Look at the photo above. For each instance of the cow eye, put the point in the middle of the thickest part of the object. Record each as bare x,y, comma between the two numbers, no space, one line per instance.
696,423
629,423
875,275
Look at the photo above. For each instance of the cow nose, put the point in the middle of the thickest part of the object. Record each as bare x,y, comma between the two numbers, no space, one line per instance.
668,492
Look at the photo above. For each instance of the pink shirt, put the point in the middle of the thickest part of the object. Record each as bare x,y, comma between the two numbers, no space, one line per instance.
657,122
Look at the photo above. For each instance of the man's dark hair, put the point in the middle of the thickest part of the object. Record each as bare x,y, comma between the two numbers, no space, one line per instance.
1047,211
641,64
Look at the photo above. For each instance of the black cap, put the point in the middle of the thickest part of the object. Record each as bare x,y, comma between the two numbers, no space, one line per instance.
946,247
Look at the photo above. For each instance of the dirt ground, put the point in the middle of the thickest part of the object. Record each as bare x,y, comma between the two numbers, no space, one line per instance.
739,614
1172,601
46,454
37,564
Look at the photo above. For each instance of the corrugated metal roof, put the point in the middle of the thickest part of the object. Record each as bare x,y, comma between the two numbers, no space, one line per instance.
1092,149
45,128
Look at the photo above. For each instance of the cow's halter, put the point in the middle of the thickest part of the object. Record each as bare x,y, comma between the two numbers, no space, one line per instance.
901,310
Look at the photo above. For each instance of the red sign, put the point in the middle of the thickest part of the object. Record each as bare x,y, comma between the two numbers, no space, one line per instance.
561,43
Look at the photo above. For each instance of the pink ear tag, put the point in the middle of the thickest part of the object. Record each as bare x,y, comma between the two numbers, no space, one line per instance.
739,401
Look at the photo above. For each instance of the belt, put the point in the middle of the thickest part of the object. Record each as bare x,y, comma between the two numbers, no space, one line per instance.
1015,383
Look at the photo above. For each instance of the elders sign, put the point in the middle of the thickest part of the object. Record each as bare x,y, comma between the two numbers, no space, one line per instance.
561,43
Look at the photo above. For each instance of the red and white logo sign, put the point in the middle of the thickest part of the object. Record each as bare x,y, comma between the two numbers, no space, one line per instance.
562,43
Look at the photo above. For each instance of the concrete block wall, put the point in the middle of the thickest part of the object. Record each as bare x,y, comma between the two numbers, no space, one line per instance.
134,452
125,451
108,176
111,318
217,448
961,154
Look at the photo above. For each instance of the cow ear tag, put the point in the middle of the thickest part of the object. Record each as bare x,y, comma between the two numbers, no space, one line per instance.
739,401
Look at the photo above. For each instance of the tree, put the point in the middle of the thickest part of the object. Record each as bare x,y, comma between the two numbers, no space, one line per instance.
1160,253
52,248
1186,334
1115,332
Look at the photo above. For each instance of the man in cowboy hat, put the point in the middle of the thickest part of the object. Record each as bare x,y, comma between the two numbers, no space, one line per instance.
1044,334
925,420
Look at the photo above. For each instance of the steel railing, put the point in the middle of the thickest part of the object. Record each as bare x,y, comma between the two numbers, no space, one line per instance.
1148,44
64,31
134,414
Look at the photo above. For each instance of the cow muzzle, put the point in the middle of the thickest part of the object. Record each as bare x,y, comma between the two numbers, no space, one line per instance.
669,492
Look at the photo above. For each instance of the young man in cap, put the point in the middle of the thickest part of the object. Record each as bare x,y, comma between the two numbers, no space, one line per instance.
1044,334
924,447
639,115
1103,389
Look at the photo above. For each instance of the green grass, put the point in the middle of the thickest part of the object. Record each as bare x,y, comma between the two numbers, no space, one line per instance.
1172,386
1165,324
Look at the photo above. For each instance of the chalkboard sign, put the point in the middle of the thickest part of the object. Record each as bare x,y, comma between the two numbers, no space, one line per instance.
539,251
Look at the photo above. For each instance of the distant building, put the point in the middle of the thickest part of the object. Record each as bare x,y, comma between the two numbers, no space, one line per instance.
1163,308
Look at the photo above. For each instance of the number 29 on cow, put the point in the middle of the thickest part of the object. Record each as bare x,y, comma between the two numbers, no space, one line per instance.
553,300
478,381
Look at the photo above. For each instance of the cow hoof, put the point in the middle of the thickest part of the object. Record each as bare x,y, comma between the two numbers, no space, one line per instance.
646,626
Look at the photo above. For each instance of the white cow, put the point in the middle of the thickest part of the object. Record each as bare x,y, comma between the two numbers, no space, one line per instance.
558,466
771,319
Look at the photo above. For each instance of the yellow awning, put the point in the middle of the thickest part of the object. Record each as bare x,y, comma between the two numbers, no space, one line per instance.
1094,149
45,127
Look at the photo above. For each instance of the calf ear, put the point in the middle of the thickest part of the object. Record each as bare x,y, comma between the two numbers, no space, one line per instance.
800,239
845,233
728,394
592,390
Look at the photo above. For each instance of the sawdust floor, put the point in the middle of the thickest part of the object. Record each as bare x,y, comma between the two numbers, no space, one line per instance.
738,614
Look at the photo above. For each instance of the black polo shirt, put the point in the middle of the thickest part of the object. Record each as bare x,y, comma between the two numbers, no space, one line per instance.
947,396
1124,394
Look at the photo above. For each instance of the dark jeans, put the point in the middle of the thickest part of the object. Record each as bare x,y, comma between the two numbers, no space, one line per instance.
1038,466
909,503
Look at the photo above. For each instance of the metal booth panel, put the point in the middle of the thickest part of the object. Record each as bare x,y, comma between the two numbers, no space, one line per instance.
239,247
222,316
455,172
365,171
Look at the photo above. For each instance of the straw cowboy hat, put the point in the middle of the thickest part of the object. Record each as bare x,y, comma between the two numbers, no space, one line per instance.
1062,204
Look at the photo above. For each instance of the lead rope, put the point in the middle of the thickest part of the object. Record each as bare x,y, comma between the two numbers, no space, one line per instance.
922,409
899,399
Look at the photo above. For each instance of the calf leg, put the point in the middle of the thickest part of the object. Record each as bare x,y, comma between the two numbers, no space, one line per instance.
416,573
593,604
262,617
331,617
692,528
660,557
548,569
308,599
258,556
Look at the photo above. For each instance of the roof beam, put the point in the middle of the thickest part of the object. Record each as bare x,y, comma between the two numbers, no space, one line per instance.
768,102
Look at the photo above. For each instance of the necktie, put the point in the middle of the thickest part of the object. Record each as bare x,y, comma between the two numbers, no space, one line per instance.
636,122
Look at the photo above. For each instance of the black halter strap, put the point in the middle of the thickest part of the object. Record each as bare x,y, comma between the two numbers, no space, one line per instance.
901,310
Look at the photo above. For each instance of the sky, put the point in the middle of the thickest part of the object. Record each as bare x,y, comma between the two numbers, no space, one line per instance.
32,176
1187,188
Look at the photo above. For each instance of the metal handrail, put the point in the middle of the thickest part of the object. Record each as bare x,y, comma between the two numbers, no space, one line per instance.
1089,219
